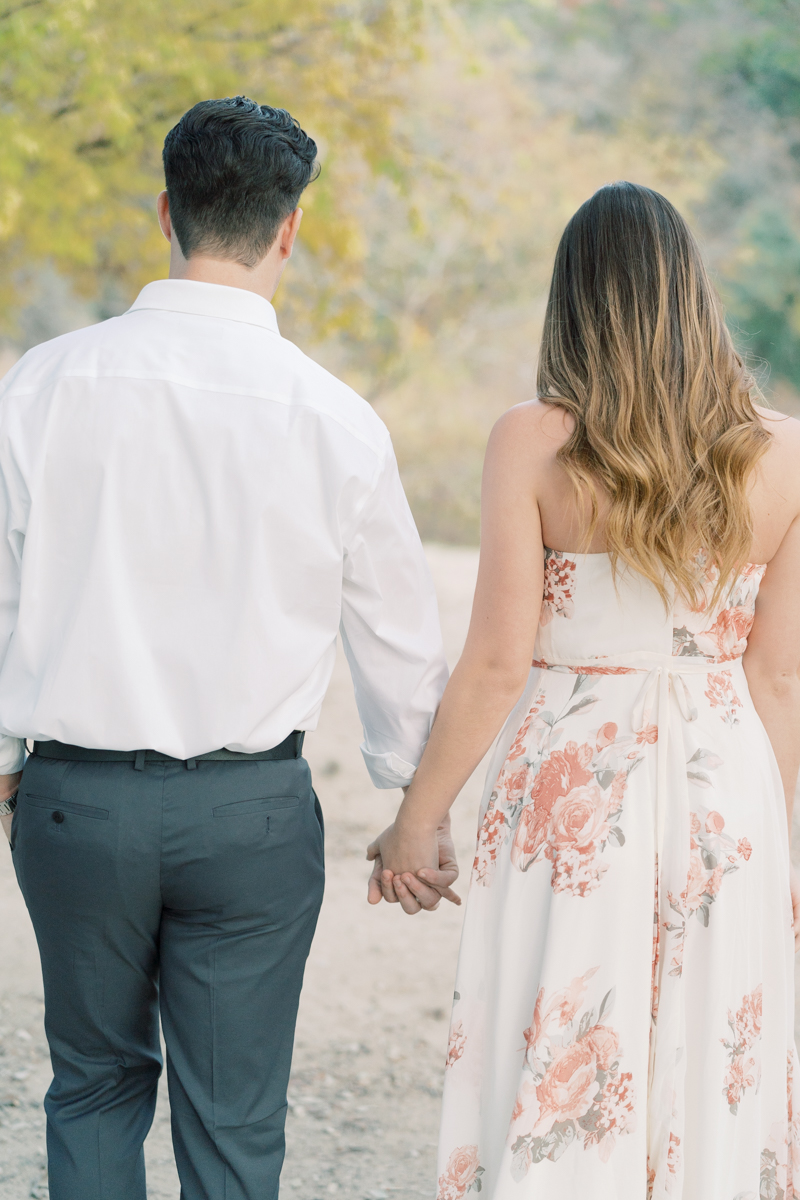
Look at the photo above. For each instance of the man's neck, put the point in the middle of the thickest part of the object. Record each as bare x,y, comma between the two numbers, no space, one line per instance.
262,279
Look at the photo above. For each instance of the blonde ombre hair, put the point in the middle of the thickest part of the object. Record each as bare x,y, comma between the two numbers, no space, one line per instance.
636,349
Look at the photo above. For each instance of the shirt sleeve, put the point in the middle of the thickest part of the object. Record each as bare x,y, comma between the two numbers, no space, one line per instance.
12,750
391,633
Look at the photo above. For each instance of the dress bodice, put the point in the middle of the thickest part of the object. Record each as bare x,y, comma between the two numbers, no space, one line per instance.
588,614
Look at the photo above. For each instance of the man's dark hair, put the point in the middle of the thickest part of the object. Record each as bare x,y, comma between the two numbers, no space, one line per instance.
235,170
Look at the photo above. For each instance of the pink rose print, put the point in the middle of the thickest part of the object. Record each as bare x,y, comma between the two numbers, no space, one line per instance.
673,1163
571,818
518,745
616,1114
729,632
578,828
560,805
605,1044
647,736
745,1027
559,587
558,774
712,856
724,638
673,1154
577,1093
722,694
461,1175
490,838
568,1087
516,784
457,1044
714,822
606,735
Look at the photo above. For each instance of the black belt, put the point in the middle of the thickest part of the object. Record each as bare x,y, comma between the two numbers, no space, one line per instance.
290,747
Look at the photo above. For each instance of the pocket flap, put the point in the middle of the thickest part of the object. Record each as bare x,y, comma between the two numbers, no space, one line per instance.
82,810
244,808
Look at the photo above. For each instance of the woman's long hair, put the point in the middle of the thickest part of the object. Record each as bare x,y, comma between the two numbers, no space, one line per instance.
636,348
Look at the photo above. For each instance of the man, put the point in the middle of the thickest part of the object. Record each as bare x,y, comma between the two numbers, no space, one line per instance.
191,509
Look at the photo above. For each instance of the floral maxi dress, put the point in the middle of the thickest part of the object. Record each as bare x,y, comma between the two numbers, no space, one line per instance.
623,1018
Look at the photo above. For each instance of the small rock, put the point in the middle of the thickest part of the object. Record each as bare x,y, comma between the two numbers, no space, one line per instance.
24,1035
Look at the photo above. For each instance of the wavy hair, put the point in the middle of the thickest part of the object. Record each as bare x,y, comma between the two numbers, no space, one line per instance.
635,347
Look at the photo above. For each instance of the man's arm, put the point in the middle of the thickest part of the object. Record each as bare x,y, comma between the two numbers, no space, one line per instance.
392,639
390,631
13,519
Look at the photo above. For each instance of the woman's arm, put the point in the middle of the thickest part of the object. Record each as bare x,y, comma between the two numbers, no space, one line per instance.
493,669
772,659
771,664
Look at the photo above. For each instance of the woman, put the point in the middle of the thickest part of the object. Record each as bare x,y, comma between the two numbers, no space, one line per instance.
604,1047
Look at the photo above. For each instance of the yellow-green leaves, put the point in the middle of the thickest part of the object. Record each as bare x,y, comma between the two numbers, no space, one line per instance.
89,88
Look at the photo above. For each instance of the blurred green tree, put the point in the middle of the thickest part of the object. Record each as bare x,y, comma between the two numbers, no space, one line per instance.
89,88
762,273
729,72
767,56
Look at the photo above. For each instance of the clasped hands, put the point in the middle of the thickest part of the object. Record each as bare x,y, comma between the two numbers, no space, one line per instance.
413,867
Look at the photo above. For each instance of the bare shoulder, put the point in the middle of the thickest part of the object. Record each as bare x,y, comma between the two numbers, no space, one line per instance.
533,429
782,459
779,424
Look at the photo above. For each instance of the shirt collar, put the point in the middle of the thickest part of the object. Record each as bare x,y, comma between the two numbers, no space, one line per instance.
208,300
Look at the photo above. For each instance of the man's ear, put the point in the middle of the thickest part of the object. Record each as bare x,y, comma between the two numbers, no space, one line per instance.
164,220
288,232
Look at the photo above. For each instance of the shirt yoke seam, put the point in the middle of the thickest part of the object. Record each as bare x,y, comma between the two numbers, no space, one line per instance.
254,393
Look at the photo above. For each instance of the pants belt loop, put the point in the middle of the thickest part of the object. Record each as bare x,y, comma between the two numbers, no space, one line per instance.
191,764
138,763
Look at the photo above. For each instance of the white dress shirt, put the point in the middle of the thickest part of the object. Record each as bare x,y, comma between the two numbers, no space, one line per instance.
190,509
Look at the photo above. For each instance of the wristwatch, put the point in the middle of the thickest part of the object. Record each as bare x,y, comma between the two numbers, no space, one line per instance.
7,806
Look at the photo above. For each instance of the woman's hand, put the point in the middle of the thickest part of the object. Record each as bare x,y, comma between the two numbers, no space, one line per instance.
413,889
794,886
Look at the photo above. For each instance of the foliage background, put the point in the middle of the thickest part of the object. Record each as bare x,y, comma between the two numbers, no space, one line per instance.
457,137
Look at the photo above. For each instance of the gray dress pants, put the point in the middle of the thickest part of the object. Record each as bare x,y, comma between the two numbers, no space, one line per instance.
190,892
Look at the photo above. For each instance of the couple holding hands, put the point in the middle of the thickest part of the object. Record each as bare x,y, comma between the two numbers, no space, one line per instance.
192,510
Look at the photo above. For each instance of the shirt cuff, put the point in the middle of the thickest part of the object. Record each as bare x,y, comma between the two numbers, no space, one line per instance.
12,755
388,770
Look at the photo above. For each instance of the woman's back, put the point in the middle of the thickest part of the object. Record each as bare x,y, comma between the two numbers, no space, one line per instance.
543,429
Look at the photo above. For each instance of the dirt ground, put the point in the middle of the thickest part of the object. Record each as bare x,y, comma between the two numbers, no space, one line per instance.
364,1098
365,1092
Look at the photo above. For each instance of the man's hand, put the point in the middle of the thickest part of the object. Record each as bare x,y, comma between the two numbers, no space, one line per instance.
8,785
414,891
